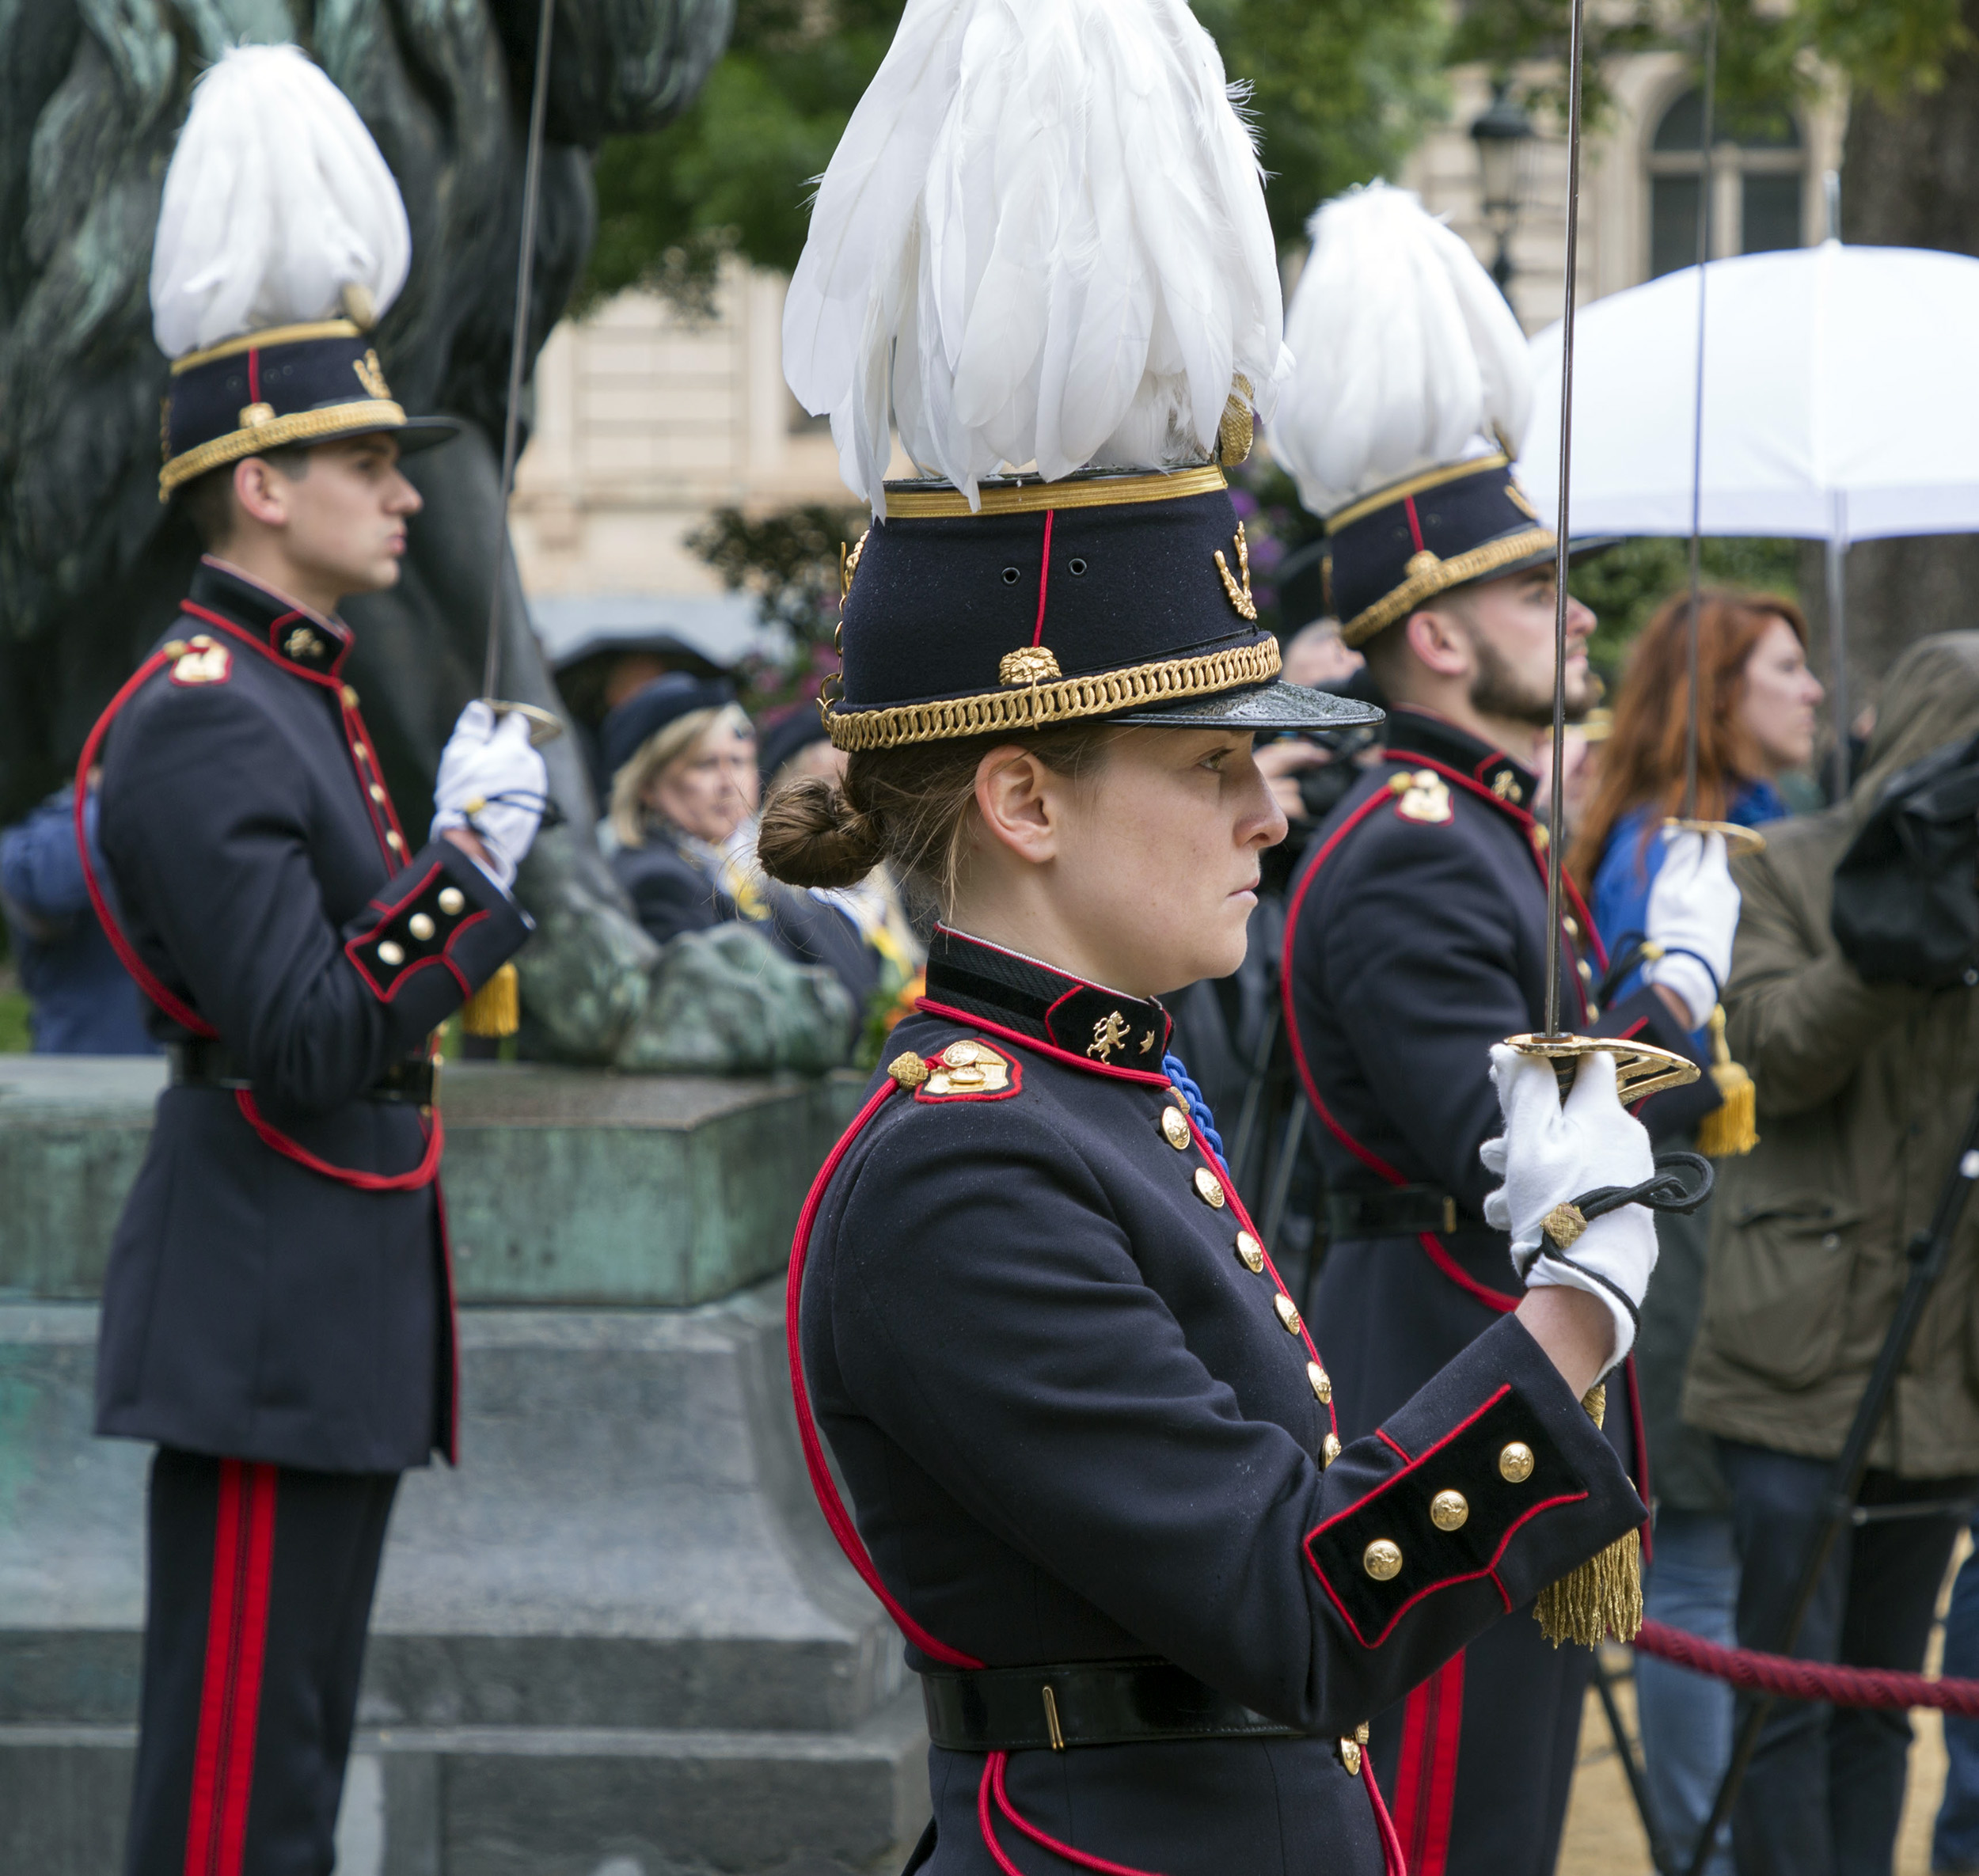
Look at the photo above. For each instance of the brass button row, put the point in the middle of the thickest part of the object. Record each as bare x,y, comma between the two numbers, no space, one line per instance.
1449,1510
452,901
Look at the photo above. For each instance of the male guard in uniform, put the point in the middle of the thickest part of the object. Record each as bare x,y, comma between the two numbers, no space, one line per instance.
278,1313
1416,939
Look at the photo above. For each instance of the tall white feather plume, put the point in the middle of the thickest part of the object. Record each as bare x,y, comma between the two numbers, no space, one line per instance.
1043,239
276,199
1408,354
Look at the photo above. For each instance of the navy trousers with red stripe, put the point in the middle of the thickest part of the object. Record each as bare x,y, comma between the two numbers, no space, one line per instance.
1477,1761
258,1596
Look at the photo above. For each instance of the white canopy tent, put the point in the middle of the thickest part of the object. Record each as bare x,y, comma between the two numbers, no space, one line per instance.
1840,403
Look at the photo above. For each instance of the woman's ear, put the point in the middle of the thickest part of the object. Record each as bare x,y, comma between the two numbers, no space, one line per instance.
1016,797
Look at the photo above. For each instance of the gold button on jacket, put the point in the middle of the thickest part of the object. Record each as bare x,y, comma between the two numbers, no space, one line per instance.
1382,1559
1515,1463
1448,1511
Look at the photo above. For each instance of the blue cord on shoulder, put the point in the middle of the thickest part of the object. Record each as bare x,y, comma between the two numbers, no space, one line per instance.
1185,1086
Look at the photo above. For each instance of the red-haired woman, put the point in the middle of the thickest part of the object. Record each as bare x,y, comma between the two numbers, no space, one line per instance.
1756,701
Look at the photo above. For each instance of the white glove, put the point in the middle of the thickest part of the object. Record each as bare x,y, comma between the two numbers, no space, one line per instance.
1552,1153
494,784
1693,908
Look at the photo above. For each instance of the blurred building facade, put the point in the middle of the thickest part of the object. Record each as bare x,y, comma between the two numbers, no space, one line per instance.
646,419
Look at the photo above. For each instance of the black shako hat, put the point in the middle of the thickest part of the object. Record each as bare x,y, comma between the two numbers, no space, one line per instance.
1124,597
1393,550
288,385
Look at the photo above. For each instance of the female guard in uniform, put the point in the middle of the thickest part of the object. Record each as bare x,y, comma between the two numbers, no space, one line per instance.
1087,1454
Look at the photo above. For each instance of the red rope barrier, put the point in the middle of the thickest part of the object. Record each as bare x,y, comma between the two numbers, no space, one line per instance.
1790,1680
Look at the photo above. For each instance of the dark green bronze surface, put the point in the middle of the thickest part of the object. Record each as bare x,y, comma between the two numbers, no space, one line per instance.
563,1185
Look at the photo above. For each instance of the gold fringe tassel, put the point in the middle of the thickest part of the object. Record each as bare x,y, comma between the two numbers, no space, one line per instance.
495,1009
1605,1595
1732,1127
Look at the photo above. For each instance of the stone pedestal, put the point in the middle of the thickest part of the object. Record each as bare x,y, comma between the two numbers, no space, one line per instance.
618,1641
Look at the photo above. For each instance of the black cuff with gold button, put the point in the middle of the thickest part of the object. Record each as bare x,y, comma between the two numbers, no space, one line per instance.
1444,1518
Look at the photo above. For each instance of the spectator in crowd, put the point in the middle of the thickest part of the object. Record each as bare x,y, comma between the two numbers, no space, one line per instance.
685,788
83,1000
1863,1091
1318,657
1756,701
795,745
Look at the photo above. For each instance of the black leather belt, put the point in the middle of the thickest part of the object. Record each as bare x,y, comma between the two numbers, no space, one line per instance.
1402,1211
1087,1702
199,1063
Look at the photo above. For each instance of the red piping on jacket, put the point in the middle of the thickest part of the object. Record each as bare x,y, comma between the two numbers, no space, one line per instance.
992,1785
427,1169
1389,1483
1372,1160
235,1650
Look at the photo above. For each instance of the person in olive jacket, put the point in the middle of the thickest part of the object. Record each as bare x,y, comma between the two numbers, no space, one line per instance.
1861,1092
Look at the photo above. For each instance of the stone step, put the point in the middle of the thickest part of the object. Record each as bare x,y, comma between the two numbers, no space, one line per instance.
629,1542
532,1800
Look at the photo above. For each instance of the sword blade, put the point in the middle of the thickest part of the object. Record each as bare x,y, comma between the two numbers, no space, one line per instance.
518,345
1555,818
1704,190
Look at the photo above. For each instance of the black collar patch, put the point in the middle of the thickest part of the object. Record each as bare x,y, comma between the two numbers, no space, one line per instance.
1099,1025
304,639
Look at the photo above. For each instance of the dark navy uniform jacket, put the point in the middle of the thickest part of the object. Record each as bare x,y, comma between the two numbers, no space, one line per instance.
255,1308
1415,939
1079,1419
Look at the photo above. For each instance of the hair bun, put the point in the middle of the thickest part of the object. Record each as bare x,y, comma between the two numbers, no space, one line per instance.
810,835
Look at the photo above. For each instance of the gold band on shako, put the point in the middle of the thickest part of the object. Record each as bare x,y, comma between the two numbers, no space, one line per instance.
1395,549
1031,705
288,384
1095,595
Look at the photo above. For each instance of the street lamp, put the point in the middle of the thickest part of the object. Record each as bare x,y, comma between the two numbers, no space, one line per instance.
1504,135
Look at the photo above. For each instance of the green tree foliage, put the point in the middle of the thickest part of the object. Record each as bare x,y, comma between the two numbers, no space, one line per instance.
1765,52
733,173
793,562
1340,90
1626,584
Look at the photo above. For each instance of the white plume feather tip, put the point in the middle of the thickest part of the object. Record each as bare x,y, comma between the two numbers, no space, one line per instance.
1408,354
275,200
1042,240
